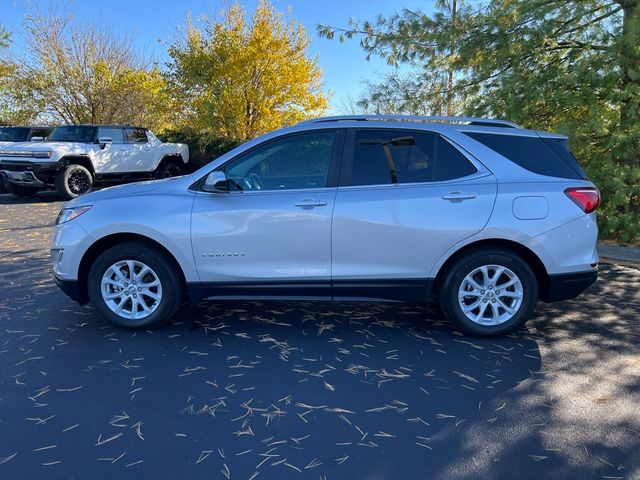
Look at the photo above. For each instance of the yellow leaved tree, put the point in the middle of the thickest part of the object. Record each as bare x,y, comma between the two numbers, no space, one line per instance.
240,77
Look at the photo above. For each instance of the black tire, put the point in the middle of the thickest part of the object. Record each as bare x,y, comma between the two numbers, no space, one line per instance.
456,273
20,190
165,270
73,181
168,169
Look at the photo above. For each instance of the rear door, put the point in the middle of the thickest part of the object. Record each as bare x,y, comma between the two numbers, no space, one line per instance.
405,197
141,158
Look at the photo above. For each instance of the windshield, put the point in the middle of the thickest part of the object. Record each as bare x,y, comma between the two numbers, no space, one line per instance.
73,133
14,134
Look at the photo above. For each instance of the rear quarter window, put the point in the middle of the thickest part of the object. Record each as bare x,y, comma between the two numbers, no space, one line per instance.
450,163
135,135
532,153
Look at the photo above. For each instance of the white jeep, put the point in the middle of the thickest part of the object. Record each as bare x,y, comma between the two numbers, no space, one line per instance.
76,157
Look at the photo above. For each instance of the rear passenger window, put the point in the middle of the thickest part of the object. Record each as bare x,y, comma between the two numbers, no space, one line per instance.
531,153
383,157
114,133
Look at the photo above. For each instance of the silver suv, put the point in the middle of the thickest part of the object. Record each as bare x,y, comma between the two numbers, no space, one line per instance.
484,215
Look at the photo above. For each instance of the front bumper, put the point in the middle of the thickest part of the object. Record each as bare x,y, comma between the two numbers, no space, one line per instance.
72,289
30,173
22,178
565,286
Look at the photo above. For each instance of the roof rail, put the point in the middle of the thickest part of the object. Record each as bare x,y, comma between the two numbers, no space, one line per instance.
417,118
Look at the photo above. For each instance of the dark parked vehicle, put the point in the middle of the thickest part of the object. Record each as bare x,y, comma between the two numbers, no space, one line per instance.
23,134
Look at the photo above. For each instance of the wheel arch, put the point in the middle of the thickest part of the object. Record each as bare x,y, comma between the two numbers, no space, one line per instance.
109,241
83,160
534,262
172,158
175,158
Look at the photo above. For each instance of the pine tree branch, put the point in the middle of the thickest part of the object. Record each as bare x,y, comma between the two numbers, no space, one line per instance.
381,36
578,17
593,21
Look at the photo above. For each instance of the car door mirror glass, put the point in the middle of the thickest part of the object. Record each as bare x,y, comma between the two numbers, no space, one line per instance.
216,181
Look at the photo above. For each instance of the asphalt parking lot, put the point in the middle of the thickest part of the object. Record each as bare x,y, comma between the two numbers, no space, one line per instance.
299,390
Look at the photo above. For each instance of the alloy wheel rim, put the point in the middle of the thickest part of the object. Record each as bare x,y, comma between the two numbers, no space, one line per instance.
78,183
490,295
131,289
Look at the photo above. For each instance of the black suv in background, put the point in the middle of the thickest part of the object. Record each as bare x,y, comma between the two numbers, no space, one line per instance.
23,134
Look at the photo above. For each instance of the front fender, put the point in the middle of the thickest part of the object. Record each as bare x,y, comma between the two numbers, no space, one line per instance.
164,219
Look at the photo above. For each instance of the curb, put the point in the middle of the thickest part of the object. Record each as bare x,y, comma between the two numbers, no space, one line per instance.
619,252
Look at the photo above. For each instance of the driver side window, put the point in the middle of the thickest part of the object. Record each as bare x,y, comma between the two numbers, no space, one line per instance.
293,162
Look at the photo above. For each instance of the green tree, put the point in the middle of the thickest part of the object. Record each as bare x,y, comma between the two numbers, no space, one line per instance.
242,77
567,65
429,86
409,93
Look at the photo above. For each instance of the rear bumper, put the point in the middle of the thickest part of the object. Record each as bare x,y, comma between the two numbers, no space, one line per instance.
71,289
567,285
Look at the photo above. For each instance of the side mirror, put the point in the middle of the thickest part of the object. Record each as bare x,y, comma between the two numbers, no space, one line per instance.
216,181
37,139
104,141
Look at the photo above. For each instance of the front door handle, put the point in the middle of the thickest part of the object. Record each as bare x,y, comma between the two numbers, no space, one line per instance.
310,203
459,196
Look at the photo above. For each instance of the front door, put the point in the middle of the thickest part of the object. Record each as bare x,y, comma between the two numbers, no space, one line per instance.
270,235
115,156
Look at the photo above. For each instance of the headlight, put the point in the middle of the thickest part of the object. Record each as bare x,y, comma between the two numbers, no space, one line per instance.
68,214
42,154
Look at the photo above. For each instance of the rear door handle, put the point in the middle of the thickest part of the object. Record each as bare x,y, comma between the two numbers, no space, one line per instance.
310,203
459,196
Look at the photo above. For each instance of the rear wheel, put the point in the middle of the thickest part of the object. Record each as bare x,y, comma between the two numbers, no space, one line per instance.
488,292
134,285
73,181
21,190
168,170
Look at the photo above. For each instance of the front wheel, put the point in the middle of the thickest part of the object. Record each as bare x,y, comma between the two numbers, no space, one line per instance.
134,285
73,181
488,292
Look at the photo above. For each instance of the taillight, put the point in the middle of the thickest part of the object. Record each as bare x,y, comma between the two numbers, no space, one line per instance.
587,198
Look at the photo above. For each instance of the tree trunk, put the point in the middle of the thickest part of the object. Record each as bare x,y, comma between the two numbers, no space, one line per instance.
630,65
454,13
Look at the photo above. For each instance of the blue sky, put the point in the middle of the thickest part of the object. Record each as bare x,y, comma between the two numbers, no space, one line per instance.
153,25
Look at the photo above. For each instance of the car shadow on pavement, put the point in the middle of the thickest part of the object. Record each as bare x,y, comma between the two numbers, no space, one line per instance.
289,390
47,196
